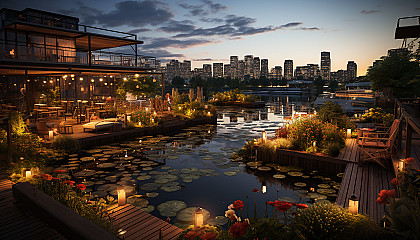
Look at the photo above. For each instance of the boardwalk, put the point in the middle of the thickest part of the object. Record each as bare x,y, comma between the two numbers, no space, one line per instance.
137,224
15,223
364,181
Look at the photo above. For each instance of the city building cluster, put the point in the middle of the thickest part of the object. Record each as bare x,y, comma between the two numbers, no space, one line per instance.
254,67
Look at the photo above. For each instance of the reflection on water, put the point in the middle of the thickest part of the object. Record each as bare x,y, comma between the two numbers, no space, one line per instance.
194,167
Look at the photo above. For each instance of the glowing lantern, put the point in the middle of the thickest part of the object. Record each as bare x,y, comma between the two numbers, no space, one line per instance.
348,133
50,135
199,218
353,204
121,196
264,136
28,173
401,165
264,187
312,189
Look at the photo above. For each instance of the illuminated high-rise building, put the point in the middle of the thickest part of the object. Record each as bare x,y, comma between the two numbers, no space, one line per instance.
234,62
241,70
207,71
325,66
217,70
257,67
249,66
264,68
288,69
351,70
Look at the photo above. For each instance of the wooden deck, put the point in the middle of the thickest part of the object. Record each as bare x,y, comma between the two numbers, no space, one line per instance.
365,181
137,224
16,223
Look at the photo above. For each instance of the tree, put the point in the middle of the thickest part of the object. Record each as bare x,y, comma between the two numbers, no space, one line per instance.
333,85
145,86
319,85
398,74
178,81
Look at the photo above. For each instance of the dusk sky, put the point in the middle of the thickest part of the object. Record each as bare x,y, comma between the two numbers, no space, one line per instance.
209,31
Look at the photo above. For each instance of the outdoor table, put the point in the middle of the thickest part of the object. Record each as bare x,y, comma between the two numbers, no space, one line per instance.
39,112
66,103
40,105
55,109
101,104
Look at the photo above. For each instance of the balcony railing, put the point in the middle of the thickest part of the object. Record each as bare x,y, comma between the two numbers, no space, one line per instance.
53,54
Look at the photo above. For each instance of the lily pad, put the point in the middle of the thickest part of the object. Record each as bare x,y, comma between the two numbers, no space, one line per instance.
264,168
144,177
287,199
230,173
148,209
152,194
219,221
106,165
107,187
325,191
187,215
85,173
169,188
137,201
279,176
254,164
295,174
324,185
316,196
150,186
300,184
170,208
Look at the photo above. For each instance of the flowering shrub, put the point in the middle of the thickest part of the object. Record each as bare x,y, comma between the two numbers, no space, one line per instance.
146,118
377,115
206,232
307,131
403,218
234,95
333,113
71,195
272,146
282,132
191,110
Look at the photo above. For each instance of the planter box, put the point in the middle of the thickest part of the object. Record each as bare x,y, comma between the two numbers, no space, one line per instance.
61,218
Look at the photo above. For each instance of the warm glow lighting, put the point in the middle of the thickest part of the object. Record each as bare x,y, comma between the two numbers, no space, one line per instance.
348,133
401,165
125,79
147,109
92,80
101,79
264,136
51,81
312,189
154,113
28,174
154,80
128,118
105,84
153,120
65,76
121,196
209,113
140,125
72,75
264,188
198,218
81,79
50,135
136,75
353,204
179,108
169,109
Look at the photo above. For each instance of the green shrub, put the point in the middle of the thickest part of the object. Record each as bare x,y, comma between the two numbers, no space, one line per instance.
146,118
333,149
272,146
377,115
330,221
333,113
191,110
66,143
234,95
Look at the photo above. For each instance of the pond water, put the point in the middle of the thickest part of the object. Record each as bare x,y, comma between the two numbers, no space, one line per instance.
193,169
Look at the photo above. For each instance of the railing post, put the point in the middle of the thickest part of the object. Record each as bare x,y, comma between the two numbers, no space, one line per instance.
399,137
89,51
408,135
160,234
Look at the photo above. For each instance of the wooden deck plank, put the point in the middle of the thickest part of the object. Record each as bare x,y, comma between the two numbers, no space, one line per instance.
146,229
342,193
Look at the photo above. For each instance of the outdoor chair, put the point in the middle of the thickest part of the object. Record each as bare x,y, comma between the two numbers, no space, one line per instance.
373,138
378,150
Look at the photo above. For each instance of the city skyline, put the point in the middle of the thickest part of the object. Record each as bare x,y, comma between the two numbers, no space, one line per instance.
208,31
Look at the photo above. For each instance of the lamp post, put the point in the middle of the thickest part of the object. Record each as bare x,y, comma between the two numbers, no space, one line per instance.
353,204
198,218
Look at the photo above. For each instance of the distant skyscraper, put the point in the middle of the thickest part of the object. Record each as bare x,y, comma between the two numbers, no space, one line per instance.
207,71
217,70
264,68
234,62
227,71
241,69
325,66
249,66
276,72
313,71
257,67
288,69
172,69
351,70
339,76
185,70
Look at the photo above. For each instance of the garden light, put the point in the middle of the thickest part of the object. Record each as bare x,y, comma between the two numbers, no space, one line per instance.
50,135
353,204
401,165
198,219
28,173
121,196
264,187
348,133
264,136
312,189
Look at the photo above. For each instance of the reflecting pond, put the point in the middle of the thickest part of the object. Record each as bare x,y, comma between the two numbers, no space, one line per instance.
192,168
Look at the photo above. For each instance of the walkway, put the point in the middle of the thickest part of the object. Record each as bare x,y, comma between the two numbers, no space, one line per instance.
16,223
364,181
137,224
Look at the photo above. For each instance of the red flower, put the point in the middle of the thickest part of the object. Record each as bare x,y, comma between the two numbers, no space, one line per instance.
191,234
69,182
81,186
301,206
394,181
54,178
60,171
209,236
270,203
391,193
47,177
255,190
408,161
238,229
381,201
282,206
238,205
384,195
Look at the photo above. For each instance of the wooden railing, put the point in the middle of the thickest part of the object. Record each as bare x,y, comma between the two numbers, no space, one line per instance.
409,110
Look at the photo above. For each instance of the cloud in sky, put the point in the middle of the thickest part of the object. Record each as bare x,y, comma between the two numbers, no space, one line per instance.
160,53
205,8
134,14
175,43
139,30
369,11
178,26
209,59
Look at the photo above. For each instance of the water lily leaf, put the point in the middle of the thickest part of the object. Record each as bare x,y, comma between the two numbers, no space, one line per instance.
295,174
137,201
187,215
300,184
106,165
264,168
152,194
169,188
279,176
170,208
230,173
324,185
150,186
